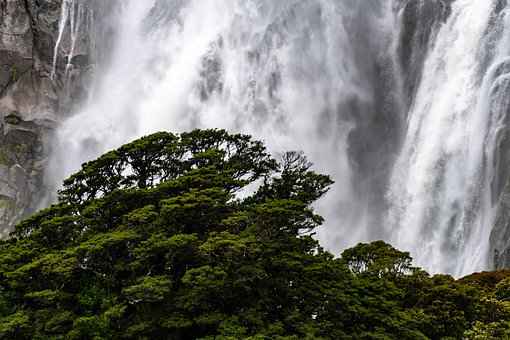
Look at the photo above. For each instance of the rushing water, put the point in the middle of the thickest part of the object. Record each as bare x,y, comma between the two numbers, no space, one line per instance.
413,150
441,187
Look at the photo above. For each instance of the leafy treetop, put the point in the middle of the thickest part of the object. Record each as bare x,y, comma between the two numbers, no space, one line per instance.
154,241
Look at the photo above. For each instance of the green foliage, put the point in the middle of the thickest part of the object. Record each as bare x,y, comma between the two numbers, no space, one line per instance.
503,289
162,239
491,331
377,258
148,289
14,74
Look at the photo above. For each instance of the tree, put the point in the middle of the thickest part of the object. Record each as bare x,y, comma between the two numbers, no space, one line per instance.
377,258
152,240
204,235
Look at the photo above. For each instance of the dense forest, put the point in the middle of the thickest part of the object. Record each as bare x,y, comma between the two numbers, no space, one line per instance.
204,235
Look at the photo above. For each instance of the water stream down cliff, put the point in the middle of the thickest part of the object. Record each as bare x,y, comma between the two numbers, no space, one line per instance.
404,102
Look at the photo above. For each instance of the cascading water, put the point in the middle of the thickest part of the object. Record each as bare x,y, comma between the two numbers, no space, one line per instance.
441,189
297,74
409,137
73,15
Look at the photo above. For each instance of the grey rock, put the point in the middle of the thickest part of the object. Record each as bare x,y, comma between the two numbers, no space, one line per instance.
31,102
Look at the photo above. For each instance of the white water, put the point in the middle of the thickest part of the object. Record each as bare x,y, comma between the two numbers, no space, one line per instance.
441,186
284,71
300,74
74,14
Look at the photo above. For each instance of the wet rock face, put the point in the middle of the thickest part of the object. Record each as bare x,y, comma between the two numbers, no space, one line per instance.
15,43
500,115
22,160
500,236
31,101
420,22
500,185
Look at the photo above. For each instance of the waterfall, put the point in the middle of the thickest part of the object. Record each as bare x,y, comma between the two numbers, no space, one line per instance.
73,15
411,139
299,75
440,192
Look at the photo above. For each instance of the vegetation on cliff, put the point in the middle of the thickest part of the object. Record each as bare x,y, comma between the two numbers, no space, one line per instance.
204,235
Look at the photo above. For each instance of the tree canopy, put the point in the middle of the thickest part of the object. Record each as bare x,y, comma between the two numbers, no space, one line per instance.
204,235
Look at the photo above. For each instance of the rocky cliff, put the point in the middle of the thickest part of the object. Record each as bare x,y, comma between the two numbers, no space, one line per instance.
35,92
